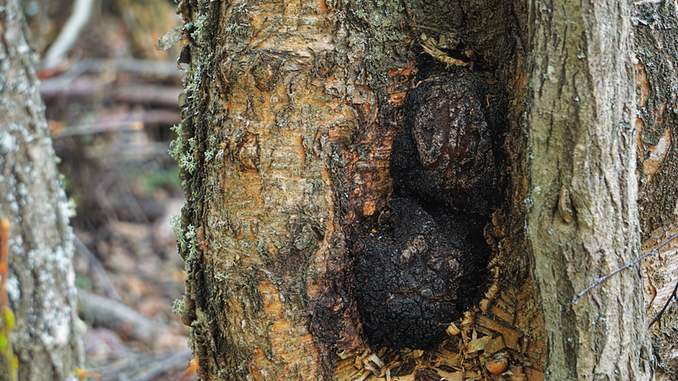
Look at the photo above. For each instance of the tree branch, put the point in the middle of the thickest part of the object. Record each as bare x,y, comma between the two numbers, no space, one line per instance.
82,9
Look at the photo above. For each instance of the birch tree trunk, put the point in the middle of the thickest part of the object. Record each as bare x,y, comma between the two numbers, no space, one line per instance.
41,282
293,117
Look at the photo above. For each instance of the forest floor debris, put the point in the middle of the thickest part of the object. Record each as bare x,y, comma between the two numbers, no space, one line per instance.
503,342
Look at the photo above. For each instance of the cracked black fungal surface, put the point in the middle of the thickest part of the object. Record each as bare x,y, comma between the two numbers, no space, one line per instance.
424,262
444,155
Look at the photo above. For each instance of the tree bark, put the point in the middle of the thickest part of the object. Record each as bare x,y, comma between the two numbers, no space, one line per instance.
656,39
41,282
290,112
583,220
656,46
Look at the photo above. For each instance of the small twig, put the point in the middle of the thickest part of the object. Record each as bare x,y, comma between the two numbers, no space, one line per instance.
152,69
4,261
666,305
173,362
82,9
429,46
148,94
144,68
167,96
633,263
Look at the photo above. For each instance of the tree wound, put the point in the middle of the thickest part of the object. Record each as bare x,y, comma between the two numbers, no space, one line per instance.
424,263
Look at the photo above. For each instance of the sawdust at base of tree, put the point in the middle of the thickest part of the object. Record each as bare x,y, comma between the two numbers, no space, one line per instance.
501,339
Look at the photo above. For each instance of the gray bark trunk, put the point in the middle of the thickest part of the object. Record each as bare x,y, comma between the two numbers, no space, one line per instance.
41,282
583,220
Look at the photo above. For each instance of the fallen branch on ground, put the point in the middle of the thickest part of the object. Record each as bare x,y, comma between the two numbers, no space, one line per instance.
96,270
132,122
145,68
104,312
143,367
138,94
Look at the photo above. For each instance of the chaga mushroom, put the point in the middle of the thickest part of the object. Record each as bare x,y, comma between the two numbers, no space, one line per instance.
408,274
444,153
424,262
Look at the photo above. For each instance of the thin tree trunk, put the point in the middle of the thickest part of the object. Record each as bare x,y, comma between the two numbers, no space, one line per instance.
41,283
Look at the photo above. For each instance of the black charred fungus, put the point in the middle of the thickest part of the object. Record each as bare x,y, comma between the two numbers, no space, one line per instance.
424,262
407,276
416,272
445,152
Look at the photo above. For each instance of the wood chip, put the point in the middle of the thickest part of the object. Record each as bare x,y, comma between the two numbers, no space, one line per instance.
479,344
495,345
449,359
497,366
452,330
451,376
511,336
504,311
517,374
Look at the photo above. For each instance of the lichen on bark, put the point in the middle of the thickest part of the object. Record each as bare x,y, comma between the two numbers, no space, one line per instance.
41,284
